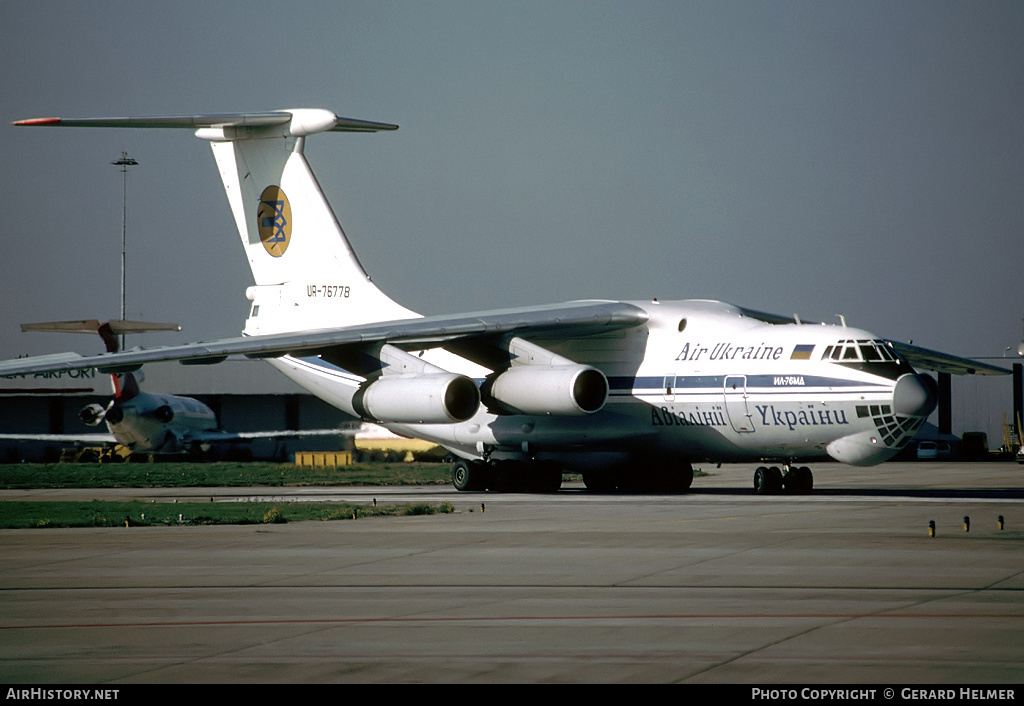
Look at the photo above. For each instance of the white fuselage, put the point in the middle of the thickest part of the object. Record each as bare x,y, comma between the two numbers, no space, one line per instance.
154,423
699,381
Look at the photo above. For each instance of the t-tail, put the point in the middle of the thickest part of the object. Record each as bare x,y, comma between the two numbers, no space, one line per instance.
306,274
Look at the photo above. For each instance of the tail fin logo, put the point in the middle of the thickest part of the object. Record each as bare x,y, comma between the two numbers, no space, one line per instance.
274,220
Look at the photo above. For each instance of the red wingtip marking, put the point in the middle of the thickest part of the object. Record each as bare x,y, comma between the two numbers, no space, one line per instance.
39,121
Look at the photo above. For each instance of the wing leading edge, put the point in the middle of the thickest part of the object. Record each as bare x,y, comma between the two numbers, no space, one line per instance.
927,359
569,319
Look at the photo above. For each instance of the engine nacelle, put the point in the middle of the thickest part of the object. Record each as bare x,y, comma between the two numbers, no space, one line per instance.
92,414
557,389
435,398
114,415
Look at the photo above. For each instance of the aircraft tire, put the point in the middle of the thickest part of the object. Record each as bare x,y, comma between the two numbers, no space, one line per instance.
467,475
508,477
683,479
545,478
668,479
600,481
761,480
767,481
799,481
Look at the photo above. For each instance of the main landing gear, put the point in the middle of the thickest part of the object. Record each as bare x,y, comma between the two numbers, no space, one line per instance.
793,480
507,476
546,477
652,477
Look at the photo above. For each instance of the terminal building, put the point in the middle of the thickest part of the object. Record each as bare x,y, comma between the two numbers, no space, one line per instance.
246,396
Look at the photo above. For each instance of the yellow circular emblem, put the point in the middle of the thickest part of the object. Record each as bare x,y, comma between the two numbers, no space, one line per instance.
274,220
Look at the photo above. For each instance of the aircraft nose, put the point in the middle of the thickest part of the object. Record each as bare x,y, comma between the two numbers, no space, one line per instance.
914,395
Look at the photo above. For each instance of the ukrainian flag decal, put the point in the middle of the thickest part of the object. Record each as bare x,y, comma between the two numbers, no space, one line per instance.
802,352
274,220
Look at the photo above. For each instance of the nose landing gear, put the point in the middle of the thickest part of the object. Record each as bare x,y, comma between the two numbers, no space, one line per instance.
792,480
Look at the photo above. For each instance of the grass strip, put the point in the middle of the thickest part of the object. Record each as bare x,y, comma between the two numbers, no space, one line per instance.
18,514
186,474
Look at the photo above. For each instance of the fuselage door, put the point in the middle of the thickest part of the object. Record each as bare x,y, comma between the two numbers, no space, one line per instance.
736,403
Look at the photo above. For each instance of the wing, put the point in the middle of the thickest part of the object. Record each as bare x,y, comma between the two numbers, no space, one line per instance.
926,359
94,438
229,437
541,322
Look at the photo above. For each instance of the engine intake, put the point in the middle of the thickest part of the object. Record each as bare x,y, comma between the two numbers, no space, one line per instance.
92,414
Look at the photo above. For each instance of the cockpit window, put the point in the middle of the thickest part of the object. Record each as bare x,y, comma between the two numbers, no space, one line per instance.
869,355
866,351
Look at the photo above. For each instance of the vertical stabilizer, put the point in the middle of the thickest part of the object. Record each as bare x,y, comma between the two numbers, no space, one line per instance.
306,274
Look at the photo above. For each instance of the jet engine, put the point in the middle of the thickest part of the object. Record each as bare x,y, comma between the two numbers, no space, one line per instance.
115,414
433,398
92,414
558,389
405,389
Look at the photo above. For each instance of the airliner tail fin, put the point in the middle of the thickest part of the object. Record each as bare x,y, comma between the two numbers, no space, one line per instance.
306,274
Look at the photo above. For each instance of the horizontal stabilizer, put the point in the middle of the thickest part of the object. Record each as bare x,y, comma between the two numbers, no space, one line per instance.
299,122
92,325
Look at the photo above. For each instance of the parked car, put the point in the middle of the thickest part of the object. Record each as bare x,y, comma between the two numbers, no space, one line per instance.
928,450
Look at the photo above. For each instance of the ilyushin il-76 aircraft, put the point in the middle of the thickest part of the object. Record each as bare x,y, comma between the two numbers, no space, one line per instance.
628,393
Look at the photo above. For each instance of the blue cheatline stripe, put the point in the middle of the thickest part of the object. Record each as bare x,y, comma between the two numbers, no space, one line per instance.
702,383
649,384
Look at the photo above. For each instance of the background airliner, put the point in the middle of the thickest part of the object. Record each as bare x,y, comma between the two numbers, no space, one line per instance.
146,422
630,393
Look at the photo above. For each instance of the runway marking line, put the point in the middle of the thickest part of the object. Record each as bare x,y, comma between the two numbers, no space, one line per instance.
539,618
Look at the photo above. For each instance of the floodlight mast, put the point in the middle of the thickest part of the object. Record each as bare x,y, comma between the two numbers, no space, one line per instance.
124,162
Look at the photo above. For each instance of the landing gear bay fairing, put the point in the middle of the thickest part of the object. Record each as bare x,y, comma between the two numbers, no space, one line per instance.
628,393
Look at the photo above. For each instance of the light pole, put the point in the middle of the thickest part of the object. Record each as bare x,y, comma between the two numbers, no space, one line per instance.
124,163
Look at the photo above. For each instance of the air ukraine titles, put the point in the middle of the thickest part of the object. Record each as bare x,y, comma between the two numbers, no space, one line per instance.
665,417
727,351
801,418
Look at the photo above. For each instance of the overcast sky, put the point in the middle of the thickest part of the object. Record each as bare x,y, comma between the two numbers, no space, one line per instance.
820,158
